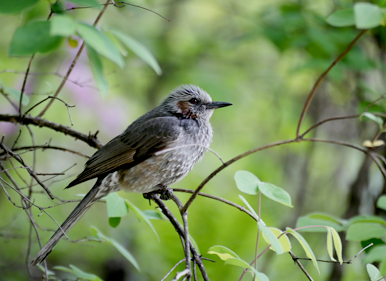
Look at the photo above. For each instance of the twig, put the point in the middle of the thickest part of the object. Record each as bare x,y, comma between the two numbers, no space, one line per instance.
321,78
72,64
300,266
91,140
183,273
171,270
9,100
25,81
44,147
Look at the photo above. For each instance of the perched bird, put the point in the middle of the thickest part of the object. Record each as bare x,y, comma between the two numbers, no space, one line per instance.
134,160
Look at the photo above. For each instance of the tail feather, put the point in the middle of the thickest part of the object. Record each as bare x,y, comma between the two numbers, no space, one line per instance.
72,219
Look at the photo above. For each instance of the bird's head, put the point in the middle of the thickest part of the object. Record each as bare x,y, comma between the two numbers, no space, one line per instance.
192,102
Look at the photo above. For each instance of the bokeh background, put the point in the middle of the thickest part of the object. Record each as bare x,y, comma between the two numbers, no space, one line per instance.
262,56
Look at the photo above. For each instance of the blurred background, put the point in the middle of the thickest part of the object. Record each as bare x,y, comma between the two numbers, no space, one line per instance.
262,56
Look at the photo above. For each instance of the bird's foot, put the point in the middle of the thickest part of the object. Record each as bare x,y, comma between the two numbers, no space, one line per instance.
164,192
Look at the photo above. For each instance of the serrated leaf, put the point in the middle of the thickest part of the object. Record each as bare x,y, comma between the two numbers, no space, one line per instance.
114,222
15,94
100,43
364,231
140,50
62,25
305,246
341,18
118,246
246,182
222,252
275,193
116,206
16,6
283,240
141,216
381,202
376,254
85,3
272,239
373,272
34,38
367,15
97,70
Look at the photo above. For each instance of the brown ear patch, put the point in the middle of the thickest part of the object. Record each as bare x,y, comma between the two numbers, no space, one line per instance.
184,108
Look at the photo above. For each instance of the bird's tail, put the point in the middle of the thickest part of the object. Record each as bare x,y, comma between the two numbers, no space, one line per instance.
91,197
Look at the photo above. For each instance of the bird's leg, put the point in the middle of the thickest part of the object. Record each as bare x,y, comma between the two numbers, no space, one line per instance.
164,192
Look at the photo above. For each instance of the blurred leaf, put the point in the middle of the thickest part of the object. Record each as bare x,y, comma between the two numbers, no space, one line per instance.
376,143
330,245
305,246
373,272
58,8
72,42
381,202
116,206
341,18
141,216
118,246
117,44
333,239
272,238
374,118
15,94
138,49
100,43
247,182
283,240
97,70
86,3
223,252
62,26
15,6
309,221
367,15
153,215
34,38
249,207
364,231
79,273
114,222
376,254
369,219
275,193
243,264
382,267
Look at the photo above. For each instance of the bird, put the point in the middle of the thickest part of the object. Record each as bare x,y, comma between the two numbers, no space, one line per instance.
155,151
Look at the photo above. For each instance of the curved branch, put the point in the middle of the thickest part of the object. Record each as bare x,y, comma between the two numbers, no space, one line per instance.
91,140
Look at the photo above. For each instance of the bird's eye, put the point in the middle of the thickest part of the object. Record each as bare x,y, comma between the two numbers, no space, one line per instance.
193,101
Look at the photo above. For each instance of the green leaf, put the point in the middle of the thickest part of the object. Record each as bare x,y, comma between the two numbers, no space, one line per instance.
319,219
116,206
97,70
305,246
330,245
62,25
381,203
58,8
367,15
223,252
369,219
141,216
337,244
272,239
364,231
153,215
376,254
341,18
275,193
15,94
114,222
382,267
15,6
34,38
86,3
373,272
243,264
247,182
374,118
140,50
118,246
100,43
283,240
79,273
249,207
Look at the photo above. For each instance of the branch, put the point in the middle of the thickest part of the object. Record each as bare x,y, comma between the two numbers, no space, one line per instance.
91,140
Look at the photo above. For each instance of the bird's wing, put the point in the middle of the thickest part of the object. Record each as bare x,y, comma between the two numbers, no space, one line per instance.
135,145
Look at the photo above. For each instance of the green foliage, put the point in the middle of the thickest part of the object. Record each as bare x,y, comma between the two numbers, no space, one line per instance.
13,7
78,273
97,70
361,231
373,272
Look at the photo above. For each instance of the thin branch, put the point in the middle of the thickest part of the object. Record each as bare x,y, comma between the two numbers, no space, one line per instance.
25,81
321,78
171,270
91,140
72,64
9,100
44,147
300,266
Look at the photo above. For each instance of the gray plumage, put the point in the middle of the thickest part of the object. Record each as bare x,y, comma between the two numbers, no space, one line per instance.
135,161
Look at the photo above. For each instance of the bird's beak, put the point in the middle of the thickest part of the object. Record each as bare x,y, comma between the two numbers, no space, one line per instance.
217,104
